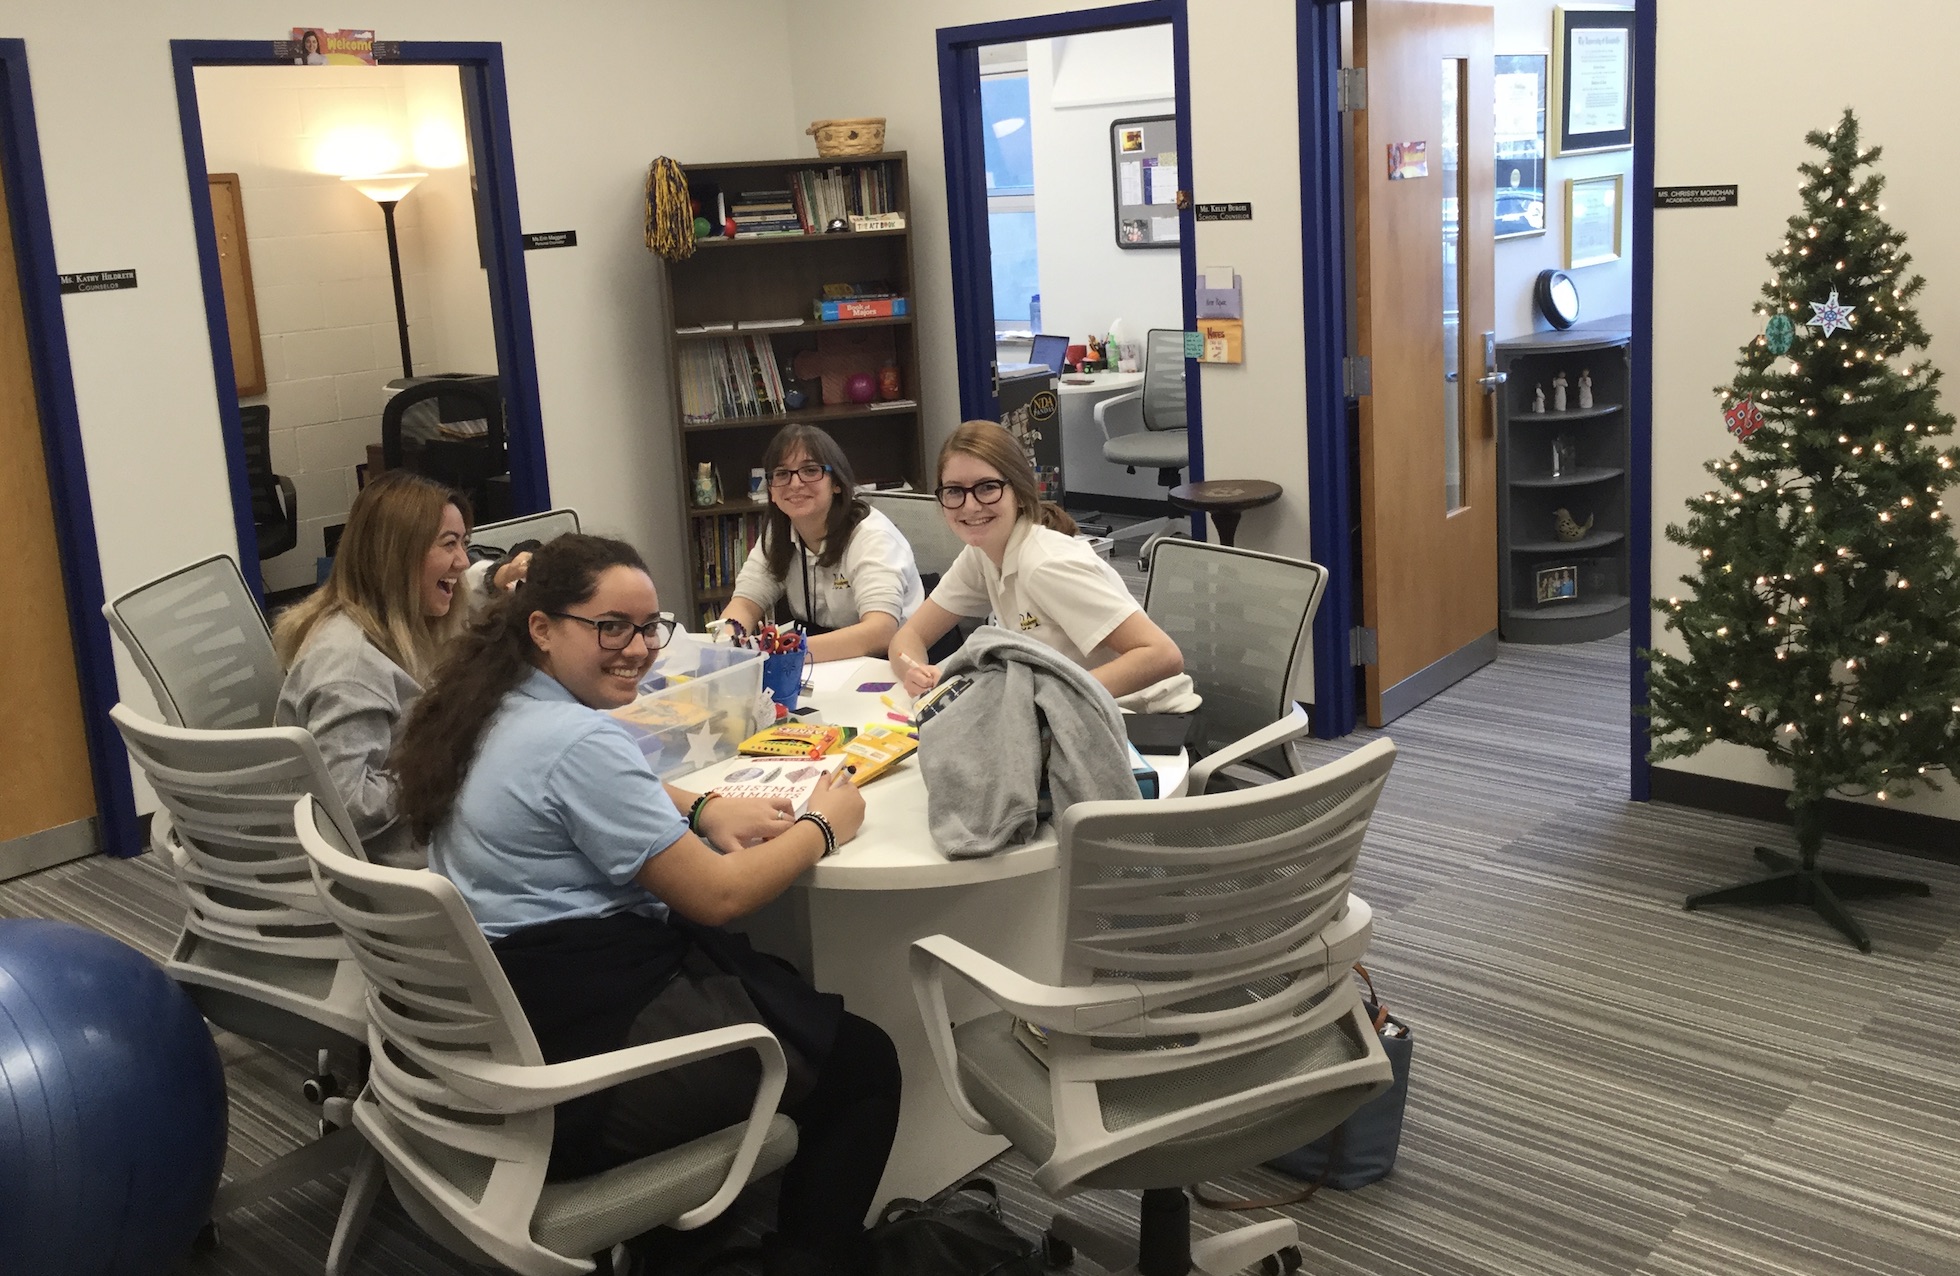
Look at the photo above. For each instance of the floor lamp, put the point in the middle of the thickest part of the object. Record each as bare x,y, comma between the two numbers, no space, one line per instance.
387,190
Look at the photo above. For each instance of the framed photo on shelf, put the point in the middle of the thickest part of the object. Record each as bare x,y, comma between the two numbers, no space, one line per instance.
1592,219
1557,584
1520,85
1592,80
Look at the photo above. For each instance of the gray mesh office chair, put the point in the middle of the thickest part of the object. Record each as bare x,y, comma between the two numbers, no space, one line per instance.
1244,621
1204,1020
458,1105
1164,444
920,520
258,953
529,527
202,645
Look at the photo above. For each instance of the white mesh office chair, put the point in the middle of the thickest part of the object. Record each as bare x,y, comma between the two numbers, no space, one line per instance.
530,527
1164,443
1244,621
258,953
458,1104
202,645
1204,1020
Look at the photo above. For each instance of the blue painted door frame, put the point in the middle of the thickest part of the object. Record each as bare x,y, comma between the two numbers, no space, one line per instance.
966,189
61,435
1330,460
487,112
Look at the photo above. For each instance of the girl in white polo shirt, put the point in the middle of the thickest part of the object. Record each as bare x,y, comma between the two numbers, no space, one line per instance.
846,570
1023,564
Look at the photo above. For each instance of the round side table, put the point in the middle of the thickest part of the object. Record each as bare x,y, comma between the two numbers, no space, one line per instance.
1224,500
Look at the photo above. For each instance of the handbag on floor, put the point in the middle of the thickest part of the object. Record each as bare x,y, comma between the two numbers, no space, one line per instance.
1362,1148
957,1233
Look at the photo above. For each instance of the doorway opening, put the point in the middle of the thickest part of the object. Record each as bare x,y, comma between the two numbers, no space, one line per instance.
364,284
1068,171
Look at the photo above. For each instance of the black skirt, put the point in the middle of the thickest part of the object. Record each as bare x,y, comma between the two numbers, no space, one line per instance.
590,985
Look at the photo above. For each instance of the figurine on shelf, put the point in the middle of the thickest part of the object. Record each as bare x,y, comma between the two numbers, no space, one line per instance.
1558,391
1585,390
1563,455
1567,528
1538,397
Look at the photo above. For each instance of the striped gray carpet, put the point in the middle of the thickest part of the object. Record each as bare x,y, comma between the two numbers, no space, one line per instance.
1603,1083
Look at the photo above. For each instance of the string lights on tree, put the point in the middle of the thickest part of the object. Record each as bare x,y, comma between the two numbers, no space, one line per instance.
1821,622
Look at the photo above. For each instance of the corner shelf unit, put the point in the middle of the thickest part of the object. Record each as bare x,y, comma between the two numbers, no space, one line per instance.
1592,484
774,277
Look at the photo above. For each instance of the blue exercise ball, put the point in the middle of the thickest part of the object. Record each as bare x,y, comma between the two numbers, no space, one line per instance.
112,1107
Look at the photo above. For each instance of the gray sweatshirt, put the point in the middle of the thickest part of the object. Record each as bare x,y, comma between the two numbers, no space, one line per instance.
355,700
983,756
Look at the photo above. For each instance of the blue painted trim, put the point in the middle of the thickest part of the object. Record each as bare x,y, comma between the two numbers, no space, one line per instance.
1323,251
966,225
1640,418
61,433
966,189
486,107
185,56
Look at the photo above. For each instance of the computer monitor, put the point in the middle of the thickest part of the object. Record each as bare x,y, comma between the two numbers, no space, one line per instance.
1049,351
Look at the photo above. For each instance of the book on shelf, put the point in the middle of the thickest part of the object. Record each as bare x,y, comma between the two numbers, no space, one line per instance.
736,376
860,308
892,405
721,545
755,325
840,192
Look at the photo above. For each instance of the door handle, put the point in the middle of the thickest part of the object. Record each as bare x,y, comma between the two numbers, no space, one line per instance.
1491,382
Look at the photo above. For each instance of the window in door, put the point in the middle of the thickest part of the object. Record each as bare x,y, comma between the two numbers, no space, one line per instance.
1010,199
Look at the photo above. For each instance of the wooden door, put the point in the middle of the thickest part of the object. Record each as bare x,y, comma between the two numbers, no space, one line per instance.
1423,239
235,274
47,793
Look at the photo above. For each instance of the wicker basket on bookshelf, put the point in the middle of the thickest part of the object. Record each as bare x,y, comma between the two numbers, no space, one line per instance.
849,137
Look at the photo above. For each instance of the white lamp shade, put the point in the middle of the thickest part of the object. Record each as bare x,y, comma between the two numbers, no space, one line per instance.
385,188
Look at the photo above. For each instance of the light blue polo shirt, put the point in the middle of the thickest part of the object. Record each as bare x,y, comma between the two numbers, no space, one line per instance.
559,811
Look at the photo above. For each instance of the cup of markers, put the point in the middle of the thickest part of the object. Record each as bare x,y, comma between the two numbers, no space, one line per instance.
784,656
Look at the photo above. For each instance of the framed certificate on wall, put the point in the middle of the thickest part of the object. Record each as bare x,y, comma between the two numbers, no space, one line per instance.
1592,219
1592,80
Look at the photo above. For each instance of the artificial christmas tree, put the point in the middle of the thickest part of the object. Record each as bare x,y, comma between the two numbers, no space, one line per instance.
1821,619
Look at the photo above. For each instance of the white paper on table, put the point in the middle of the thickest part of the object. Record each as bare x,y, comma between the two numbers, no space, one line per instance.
1163,184
1130,174
834,675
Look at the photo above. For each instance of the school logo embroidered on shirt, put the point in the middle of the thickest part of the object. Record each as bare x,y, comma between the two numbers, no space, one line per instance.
1028,621
838,582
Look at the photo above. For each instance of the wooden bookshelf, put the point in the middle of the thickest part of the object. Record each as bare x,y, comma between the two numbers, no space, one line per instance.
779,276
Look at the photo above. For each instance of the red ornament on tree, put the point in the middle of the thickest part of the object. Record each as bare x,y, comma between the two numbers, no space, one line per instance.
1744,419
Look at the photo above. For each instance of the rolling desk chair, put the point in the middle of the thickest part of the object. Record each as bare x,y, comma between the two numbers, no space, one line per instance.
412,437
202,645
1204,1020
548,525
275,506
1164,443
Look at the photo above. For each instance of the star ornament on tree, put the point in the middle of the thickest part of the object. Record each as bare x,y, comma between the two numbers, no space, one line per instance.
1829,315
1744,419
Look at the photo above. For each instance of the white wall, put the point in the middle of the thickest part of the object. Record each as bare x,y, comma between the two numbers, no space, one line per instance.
319,256
1245,138
1525,26
1076,86
596,90
1723,118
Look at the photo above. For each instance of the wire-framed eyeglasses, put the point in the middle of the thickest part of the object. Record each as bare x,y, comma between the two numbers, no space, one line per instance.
986,491
617,635
810,473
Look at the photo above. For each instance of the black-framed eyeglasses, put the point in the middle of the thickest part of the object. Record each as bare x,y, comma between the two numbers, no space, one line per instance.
617,635
986,491
782,474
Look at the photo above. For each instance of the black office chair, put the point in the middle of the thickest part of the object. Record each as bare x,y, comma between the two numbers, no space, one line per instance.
415,440
275,507
1164,444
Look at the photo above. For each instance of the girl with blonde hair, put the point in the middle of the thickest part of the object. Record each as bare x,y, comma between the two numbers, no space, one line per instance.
358,649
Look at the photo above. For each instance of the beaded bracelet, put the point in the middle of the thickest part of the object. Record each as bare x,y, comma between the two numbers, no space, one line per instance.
694,812
823,826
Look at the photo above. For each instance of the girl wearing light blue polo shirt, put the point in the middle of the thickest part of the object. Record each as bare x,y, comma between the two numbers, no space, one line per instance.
603,902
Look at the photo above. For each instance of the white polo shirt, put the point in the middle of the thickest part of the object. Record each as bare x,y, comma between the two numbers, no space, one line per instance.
875,573
1051,587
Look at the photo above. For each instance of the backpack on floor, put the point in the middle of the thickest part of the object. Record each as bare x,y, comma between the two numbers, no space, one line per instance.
957,1233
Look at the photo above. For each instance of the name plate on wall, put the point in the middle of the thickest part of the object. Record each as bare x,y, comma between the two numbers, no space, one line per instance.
1234,212
551,239
1695,196
98,281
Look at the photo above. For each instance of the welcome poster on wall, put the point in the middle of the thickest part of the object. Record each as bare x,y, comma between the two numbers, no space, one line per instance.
317,46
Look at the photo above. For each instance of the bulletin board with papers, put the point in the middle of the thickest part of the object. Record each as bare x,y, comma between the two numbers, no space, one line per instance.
1143,170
